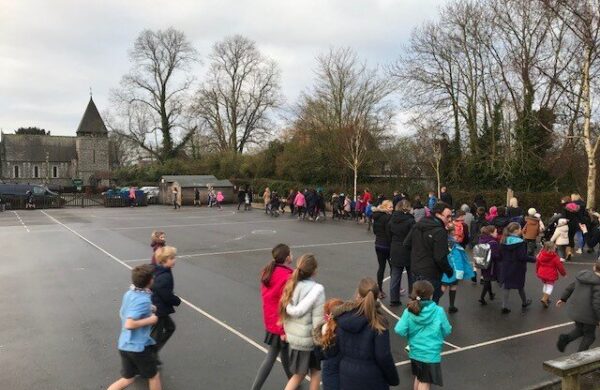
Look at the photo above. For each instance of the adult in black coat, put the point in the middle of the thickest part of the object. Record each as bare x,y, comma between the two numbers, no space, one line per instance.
363,343
446,197
501,220
428,243
164,299
401,223
383,239
241,195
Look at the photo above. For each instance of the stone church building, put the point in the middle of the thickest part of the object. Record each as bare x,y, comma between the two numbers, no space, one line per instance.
57,160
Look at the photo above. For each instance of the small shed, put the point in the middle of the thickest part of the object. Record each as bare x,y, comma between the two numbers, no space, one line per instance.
188,183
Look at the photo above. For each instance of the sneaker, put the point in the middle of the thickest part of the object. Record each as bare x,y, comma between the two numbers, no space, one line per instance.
527,303
483,302
562,342
452,309
407,348
505,310
579,251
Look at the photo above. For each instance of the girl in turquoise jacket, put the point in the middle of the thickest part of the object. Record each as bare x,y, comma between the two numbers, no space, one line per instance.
459,261
425,325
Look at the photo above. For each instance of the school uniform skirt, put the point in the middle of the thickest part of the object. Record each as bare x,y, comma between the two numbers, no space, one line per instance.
427,372
301,362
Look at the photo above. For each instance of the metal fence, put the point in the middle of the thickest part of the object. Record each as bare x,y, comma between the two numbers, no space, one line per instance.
80,200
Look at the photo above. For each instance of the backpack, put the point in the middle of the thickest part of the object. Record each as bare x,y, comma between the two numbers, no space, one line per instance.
482,255
369,211
459,232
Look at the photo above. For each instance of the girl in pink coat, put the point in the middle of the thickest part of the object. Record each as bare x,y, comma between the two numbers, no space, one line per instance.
273,279
220,199
300,204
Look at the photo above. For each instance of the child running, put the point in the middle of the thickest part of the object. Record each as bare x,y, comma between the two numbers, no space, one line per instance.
157,240
583,305
163,297
548,266
324,336
135,344
488,237
301,310
273,278
425,325
561,237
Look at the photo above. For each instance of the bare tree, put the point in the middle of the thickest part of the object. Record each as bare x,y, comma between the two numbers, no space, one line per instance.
431,141
582,17
350,101
155,89
241,88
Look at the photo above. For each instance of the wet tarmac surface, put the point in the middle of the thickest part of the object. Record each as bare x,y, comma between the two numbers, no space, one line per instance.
63,273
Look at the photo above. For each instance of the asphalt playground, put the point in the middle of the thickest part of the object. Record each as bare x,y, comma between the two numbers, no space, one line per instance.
63,273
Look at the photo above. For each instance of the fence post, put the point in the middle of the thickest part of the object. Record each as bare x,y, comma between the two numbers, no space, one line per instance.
82,206
570,382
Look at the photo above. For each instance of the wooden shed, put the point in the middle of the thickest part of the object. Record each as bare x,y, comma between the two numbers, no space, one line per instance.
188,183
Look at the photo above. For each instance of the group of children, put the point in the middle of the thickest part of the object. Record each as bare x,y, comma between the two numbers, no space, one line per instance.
146,323
344,344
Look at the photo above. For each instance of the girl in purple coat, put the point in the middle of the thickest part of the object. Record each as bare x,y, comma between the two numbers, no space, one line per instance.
513,265
489,236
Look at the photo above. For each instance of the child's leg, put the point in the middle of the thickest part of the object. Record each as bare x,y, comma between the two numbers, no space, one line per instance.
589,336
294,382
315,379
452,296
505,296
266,366
121,384
154,382
523,296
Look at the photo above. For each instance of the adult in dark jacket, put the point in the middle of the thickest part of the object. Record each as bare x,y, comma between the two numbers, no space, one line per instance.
428,243
513,265
446,197
583,306
163,297
383,238
501,221
241,195
401,223
479,221
363,341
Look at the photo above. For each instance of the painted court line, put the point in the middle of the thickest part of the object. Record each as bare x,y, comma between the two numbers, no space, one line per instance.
257,250
496,341
20,220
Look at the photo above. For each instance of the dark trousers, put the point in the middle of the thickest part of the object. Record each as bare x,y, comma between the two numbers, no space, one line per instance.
587,331
531,247
162,331
383,256
437,286
395,282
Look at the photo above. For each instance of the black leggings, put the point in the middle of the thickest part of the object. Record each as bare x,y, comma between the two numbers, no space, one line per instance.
588,331
277,347
162,331
383,256
487,289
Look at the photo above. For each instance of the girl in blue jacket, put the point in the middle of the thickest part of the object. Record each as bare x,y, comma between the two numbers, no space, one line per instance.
459,261
425,325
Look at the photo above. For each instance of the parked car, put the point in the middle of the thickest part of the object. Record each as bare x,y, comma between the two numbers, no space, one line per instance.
15,195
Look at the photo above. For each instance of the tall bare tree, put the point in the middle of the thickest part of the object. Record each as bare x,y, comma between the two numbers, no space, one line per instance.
156,87
348,100
242,87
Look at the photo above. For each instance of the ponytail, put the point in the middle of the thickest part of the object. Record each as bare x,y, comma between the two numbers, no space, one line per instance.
367,304
328,338
414,306
267,272
280,253
307,265
421,290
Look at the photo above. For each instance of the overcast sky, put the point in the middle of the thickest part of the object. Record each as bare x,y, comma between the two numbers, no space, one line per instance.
52,52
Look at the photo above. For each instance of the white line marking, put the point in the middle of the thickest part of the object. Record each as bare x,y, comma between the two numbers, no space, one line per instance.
495,341
257,250
20,220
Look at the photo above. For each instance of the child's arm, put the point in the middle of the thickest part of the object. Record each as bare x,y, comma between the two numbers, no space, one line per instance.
384,359
131,324
560,266
135,315
566,294
401,327
163,287
446,327
318,312
305,303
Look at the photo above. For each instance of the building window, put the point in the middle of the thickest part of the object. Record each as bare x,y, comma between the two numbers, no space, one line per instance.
36,172
55,172
16,171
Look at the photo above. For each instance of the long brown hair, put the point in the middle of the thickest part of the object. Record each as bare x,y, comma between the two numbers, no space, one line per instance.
305,268
509,230
366,299
421,290
329,336
280,252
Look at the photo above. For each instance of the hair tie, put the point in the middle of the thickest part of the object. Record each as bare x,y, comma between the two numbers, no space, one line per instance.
418,298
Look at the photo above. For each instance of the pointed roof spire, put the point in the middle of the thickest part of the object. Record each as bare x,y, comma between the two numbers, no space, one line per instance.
91,123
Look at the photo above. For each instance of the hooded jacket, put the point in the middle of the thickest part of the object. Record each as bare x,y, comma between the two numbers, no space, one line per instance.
459,261
162,292
305,312
425,332
381,229
548,266
531,229
366,360
513,265
561,233
428,243
271,295
492,272
583,298
400,225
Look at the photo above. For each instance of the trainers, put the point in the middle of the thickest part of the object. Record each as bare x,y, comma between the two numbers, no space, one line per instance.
562,342
483,302
579,251
452,309
527,303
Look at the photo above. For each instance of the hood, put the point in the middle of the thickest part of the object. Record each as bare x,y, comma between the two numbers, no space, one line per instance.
352,323
546,257
532,221
588,277
562,222
512,240
400,217
159,270
427,314
429,223
486,239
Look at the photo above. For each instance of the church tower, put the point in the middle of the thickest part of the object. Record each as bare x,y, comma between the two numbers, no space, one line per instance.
92,147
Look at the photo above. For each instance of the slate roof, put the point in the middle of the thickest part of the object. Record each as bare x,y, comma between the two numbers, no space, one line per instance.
33,148
91,123
186,181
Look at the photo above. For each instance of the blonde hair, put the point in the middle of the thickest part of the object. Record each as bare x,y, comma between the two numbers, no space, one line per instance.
575,196
165,253
549,246
366,300
386,205
305,268
513,202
